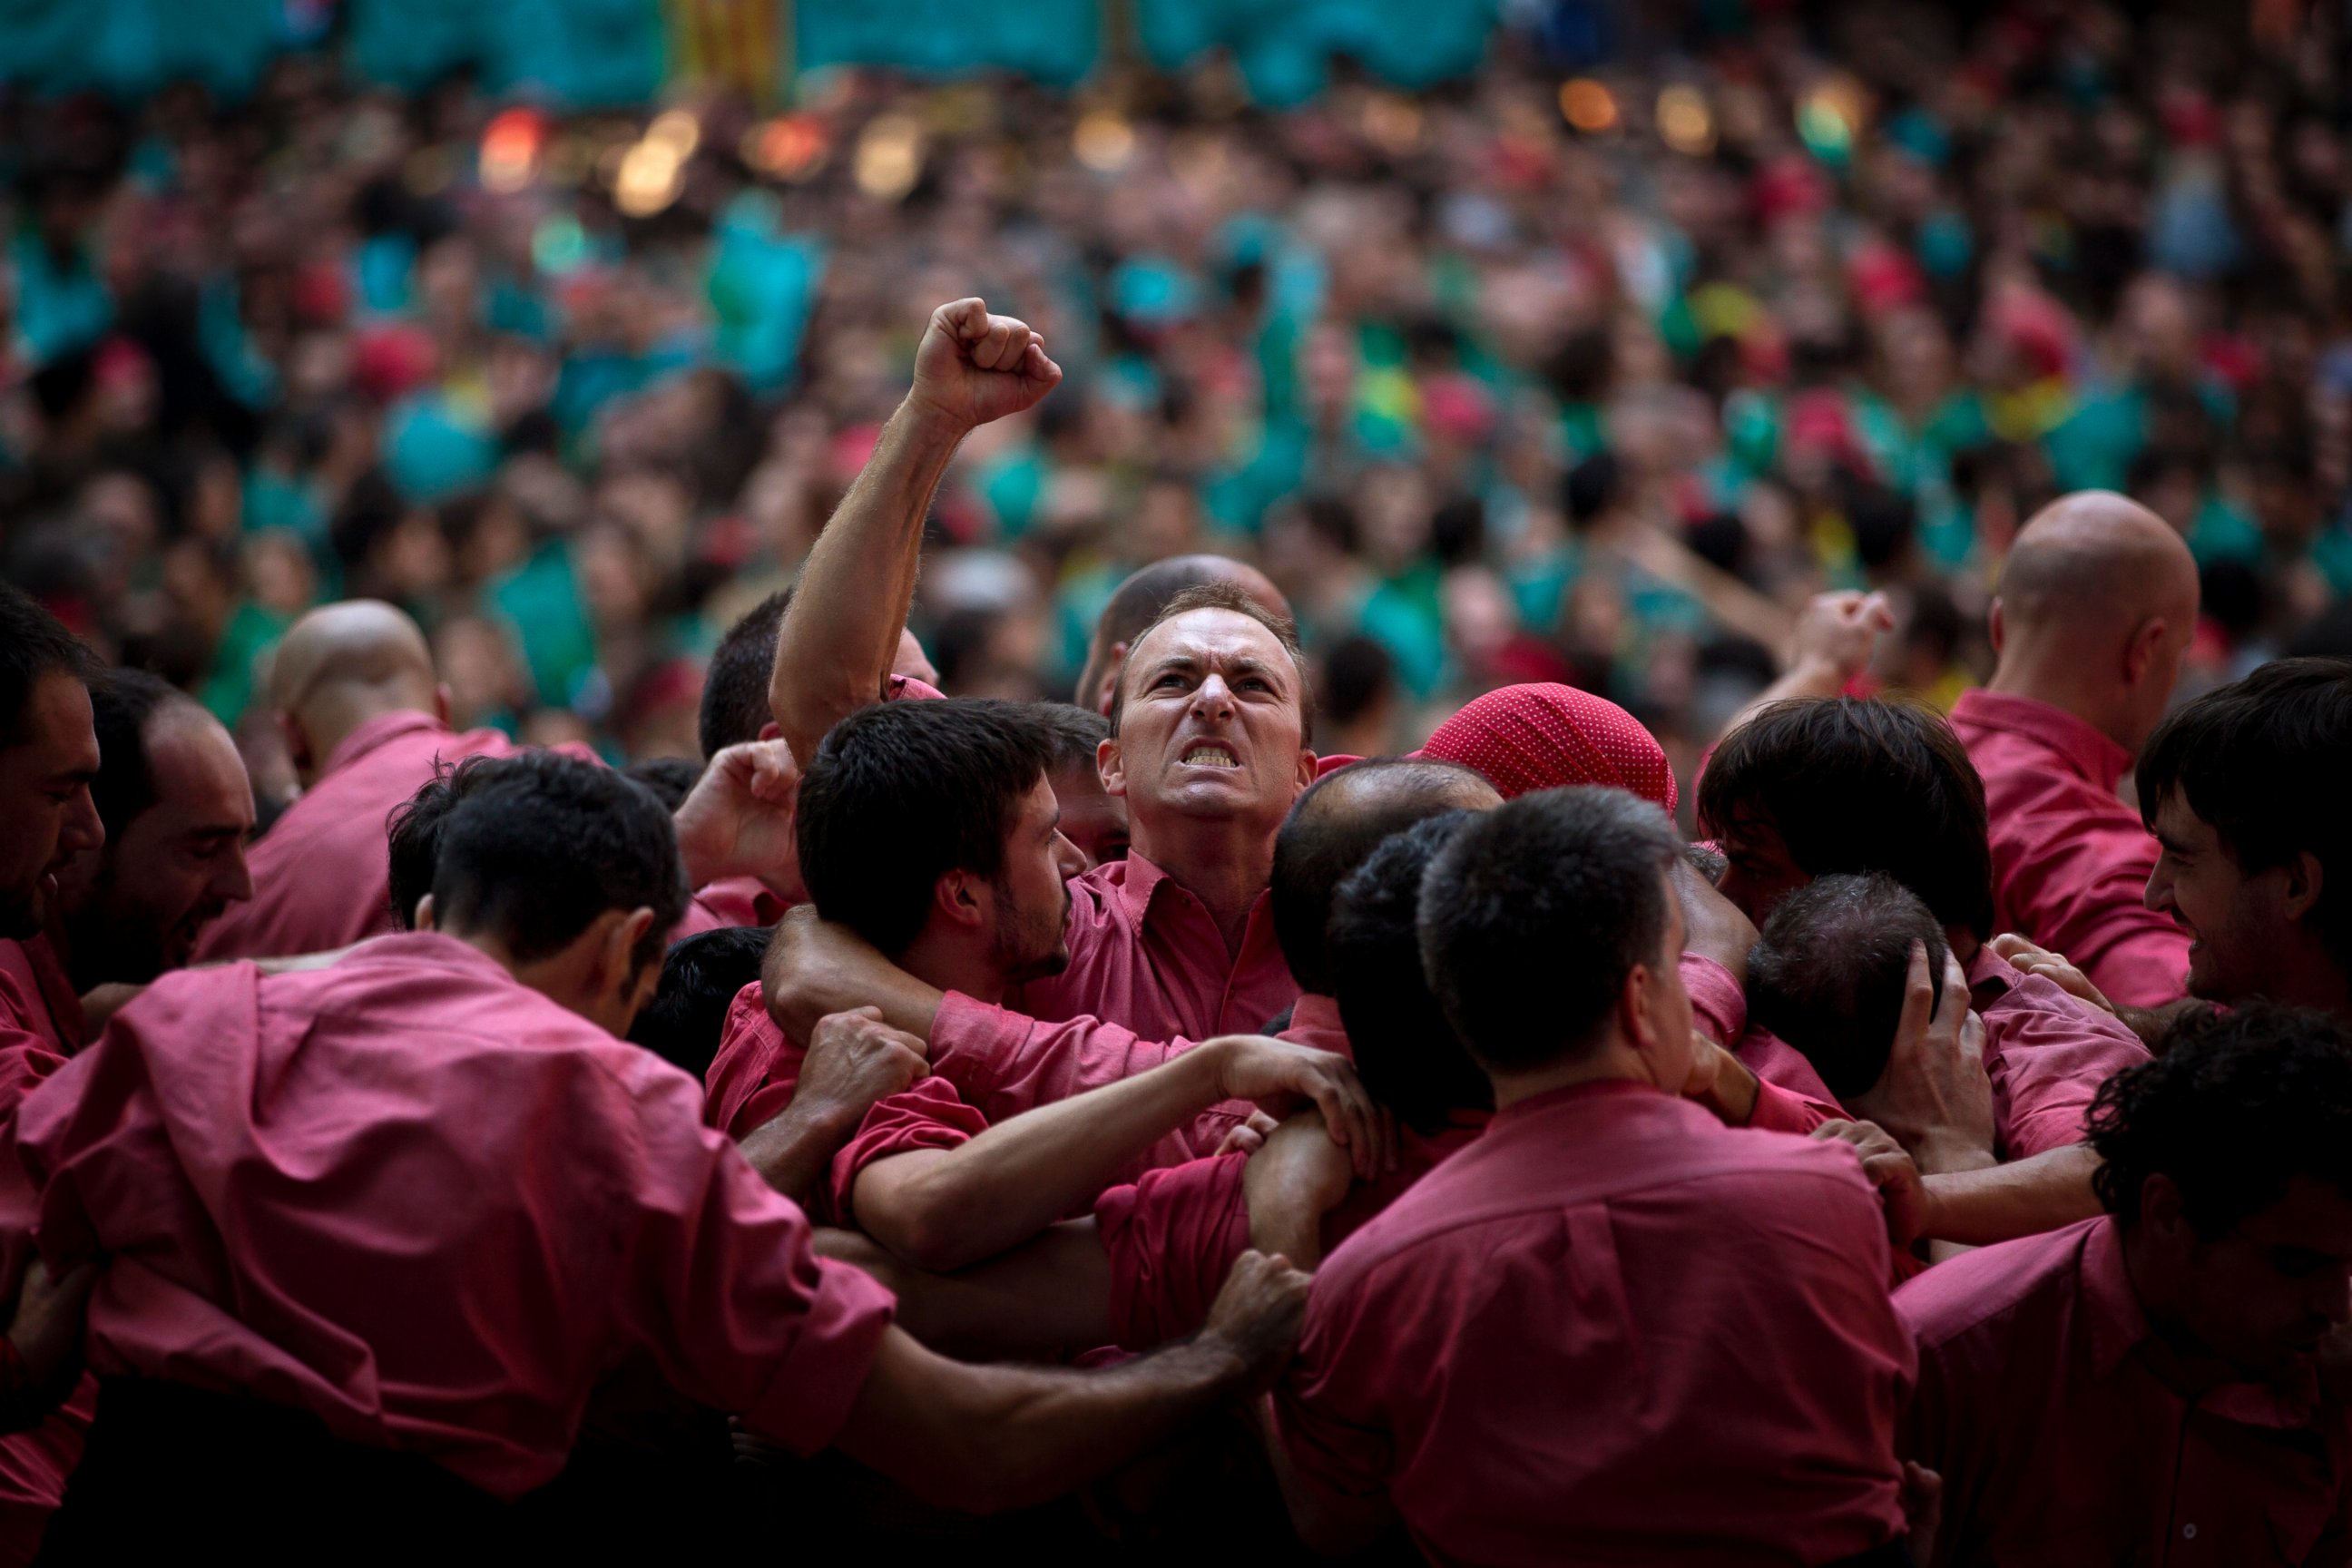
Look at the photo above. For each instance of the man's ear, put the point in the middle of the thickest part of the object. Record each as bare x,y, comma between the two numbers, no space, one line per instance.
1306,766
1993,629
1112,765
2139,654
957,896
2305,879
442,703
1116,662
423,914
1634,1017
2161,1217
297,744
771,731
616,955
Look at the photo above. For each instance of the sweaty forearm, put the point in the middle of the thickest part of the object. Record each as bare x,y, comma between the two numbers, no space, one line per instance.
835,647
1023,1174
1999,1202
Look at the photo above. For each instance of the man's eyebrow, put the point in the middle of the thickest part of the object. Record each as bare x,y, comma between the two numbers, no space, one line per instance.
73,776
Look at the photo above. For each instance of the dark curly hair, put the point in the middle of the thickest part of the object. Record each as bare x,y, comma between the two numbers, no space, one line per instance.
2238,1105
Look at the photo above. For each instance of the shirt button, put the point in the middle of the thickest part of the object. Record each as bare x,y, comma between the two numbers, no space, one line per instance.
2188,1532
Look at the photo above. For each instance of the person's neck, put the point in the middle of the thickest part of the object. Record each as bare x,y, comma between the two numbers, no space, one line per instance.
1614,1062
1225,862
2308,977
328,724
953,961
2043,680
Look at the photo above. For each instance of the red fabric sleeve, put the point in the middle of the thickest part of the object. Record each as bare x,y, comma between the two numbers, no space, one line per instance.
926,1114
1171,1237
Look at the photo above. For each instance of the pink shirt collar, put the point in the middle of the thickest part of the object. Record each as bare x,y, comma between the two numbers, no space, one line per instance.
2084,750
377,731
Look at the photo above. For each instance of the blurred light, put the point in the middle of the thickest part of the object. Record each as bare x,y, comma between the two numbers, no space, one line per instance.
649,178
1830,117
1586,104
789,147
1393,124
889,157
677,130
560,245
1103,141
1684,122
510,148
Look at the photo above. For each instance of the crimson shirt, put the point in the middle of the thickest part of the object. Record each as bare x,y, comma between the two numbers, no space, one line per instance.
2046,1053
1143,951
2070,860
432,1207
322,877
40,1027
1615,1331
1149,974
2067,1432
728,901
930,1114
1172,1237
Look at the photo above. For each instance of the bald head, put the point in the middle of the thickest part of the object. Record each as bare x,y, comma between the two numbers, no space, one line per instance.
341,665
1135,602
1335,828
2097,602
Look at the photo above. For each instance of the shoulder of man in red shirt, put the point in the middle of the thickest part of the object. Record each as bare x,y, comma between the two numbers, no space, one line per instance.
523,1134
320,874
2071,861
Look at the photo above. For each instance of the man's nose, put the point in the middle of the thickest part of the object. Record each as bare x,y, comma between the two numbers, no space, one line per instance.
233,880
83,827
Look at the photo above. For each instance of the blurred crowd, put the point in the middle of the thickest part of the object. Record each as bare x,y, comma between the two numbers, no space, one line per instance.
1592,369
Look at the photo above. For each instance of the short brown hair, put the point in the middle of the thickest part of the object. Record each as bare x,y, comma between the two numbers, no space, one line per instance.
1222,595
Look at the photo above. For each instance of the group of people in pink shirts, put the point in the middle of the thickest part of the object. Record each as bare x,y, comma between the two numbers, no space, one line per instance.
1088,1130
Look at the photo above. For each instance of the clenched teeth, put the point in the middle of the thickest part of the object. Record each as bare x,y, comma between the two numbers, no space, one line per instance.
1210,757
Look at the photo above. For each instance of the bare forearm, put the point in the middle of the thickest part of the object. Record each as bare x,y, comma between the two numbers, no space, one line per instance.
791,1150
800,991
987,1439
1977,1207
1023,1174
835,647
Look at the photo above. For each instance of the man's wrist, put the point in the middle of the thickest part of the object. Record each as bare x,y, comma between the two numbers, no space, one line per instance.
931,426
1939,1155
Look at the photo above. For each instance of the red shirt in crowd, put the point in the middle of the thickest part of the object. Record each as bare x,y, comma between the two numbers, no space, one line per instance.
728,901
40,1027
1145,954
2070,860
429,1205
321,876
1172,1236
1149,974
2046,1053
930,1114
1612,1329
1790,1095
2067,1431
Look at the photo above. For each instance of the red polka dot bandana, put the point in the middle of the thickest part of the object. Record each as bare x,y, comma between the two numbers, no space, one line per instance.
1545,735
